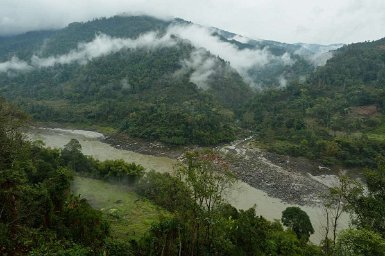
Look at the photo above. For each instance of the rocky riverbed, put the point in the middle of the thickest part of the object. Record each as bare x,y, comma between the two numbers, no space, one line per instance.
293,180
122,141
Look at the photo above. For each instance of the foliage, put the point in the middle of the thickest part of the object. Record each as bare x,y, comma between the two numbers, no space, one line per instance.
369,206
144,92
36,204
298,221
359,242
114,170
318,122
164,190
129,215
202,222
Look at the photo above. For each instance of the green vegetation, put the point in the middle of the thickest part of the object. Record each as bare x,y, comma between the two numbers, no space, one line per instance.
298,221
202,222
336,116
153,103
366,207
41,216
129,215
38,212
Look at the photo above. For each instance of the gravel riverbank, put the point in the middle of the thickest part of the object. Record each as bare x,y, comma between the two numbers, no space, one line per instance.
293,180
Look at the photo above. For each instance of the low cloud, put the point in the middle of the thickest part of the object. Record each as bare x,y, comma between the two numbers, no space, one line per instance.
318,55
14,65
102,45
241,60
201,65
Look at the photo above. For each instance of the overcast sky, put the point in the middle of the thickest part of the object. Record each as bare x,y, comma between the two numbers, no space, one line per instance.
309,21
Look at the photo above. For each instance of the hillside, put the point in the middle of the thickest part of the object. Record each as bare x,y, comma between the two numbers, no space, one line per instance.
337,116
171,81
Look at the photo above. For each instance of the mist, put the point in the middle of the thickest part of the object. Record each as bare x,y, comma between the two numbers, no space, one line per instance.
241,60
200,65
102,45
13,65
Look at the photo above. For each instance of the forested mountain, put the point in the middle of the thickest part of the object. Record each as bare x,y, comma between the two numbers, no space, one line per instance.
151,78
181,83
337,115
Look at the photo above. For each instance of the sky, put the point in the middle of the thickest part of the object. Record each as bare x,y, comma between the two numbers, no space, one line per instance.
307,21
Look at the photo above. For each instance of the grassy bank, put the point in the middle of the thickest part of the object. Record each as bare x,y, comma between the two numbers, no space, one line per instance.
130,215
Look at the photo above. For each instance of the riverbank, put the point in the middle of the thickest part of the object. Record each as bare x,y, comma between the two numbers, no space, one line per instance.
293,180
124,142
242,195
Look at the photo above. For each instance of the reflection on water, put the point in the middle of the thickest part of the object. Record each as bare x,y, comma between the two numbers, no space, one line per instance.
242,196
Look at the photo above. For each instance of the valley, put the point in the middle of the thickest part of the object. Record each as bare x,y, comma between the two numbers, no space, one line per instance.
262,183
177,138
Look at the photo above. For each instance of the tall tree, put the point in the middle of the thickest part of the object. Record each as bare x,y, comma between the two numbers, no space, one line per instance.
298,221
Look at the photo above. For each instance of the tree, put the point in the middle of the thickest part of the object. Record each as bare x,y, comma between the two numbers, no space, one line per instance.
298,221
369,207
335,203
359,242
73,157
207,176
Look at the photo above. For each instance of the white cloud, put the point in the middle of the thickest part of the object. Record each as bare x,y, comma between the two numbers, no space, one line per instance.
318,21
104,45
201,65
14,65
241,60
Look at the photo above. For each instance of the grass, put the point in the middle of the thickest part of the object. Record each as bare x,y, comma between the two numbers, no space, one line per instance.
130,216
376,137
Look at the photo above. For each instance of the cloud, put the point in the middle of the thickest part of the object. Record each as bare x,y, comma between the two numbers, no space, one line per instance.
317,21
104,45
201,65
14,65
316,54
241,60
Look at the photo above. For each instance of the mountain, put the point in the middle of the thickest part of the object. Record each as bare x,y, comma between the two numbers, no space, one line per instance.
167,80
336,116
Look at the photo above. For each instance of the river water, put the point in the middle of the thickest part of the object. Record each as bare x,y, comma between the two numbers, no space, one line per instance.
241,196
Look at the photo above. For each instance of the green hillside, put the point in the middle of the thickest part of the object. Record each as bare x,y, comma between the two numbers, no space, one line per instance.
178,94
134,90
337,116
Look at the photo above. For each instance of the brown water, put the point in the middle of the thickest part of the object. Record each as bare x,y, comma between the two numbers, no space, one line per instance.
241,196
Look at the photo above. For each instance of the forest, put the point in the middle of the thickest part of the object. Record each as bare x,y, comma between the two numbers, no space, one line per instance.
331,114
41,216
334,116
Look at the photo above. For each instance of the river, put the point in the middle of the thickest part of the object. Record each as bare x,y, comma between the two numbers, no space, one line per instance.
241,196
